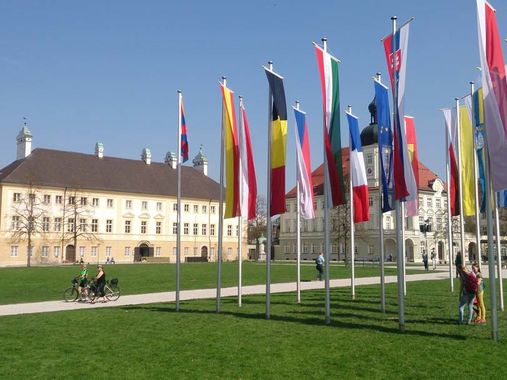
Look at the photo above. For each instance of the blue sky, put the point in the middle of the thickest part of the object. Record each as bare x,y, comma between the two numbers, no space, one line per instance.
108,71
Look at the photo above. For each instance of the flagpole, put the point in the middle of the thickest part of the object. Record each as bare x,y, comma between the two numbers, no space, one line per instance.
240,218
351,220
499,257
404,248
476,185
268,202
178,203
399,220
381,219
326,216
491,256
298,230
460,183
221,208
449,218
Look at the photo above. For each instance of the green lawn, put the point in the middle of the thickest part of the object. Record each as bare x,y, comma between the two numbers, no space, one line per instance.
48,283
154,341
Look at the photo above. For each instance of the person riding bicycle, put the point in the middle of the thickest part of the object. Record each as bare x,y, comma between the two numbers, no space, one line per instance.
83,281
100,283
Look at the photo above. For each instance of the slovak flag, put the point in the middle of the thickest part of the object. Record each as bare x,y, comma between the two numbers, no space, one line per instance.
358,173
405,187
183,134
304,169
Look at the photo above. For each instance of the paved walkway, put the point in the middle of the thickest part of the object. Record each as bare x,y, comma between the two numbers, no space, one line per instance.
139,299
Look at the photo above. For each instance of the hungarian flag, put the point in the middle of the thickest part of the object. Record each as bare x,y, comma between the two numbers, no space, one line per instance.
183,134
450,123
278,142
304,168
405,187
358,173
247,167
385,142
231,154
412,208
494,87
328,69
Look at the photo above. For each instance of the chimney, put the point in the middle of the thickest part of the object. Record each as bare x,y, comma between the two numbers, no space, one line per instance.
146,156
99,150
23,142
170,159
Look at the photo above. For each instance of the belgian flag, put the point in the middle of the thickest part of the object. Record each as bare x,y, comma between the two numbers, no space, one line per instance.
278,142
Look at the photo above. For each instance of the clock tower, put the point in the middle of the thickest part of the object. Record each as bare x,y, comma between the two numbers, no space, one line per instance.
23,142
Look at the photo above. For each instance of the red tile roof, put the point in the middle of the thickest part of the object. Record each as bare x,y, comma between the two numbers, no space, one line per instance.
426,177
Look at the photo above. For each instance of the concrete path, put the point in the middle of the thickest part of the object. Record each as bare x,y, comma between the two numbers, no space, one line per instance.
139,299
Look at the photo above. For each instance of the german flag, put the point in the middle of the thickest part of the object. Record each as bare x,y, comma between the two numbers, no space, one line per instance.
278,142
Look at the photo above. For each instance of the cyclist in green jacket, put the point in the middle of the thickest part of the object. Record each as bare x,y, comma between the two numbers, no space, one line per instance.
83,281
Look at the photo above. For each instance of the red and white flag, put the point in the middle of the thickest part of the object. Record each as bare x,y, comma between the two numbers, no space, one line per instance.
412,208
248,195
494,87
452,136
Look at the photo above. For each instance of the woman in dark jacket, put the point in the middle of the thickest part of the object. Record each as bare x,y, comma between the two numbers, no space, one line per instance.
100,283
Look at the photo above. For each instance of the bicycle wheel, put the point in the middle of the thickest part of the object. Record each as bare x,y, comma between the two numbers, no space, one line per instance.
91,294
112,294
70,294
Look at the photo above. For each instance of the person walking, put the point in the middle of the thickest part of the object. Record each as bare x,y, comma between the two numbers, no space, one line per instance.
458,262
468,290
320,265
434,258
425,261
481,315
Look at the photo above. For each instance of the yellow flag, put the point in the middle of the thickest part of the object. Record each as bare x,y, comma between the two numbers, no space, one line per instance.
467,161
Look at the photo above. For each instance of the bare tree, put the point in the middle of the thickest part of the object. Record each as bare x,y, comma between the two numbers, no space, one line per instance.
340,228
76,224
257,226
27,219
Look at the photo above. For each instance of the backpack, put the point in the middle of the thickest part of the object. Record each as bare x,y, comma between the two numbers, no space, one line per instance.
471,283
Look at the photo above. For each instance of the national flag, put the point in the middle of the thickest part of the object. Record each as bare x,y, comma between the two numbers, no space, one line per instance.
450,122
467,156
385,142
278,143
358,173
405,187
328,69
494,87
304,168
501,199
183,134
247,167
412,208
478,108
231,154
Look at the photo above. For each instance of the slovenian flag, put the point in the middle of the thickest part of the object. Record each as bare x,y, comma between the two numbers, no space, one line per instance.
183,134
358,173
405,187
231,154
304,169
247,167
385,142
494,87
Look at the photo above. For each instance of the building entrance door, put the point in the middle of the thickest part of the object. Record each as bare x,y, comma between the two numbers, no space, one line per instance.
70,254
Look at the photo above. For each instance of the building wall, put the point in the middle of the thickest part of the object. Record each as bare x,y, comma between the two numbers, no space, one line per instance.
432,207
138,209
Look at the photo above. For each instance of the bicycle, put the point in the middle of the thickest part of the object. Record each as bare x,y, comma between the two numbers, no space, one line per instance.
73,293
112,290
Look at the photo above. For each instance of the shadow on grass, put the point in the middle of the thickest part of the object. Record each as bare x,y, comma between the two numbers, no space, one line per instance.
308,321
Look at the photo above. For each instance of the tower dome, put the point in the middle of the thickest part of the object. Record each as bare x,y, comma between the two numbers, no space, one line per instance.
369,134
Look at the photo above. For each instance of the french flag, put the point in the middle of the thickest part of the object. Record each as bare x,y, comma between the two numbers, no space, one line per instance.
358,173
183,132
304,172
